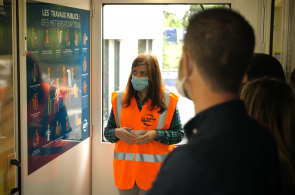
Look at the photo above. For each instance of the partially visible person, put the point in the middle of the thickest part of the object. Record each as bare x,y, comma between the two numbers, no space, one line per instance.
271,100
228,152
263,65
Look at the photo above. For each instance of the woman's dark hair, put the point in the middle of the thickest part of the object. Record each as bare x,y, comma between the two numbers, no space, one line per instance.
156,88
271,100
263,65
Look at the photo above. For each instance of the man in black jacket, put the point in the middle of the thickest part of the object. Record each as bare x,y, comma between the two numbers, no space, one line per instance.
228,152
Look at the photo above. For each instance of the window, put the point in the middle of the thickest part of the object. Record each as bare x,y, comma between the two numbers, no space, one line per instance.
161,33
145,46
105,76
117,65
111,73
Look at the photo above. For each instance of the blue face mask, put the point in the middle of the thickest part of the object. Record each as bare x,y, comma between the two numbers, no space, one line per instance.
140,83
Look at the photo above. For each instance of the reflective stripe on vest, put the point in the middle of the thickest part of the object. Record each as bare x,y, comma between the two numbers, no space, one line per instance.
140,157
151,157
162,117
119,107
123,156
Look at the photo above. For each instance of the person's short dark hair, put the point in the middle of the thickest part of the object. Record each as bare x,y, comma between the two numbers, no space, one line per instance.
263,65
221,42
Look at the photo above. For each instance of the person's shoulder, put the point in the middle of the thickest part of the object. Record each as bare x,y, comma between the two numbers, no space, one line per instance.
179,162
182,169
245,127
115,93
285,173
253,135
172,94
261,131
118,94
181,156
119,91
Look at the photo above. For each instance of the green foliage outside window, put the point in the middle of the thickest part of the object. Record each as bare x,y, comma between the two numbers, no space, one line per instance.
171,52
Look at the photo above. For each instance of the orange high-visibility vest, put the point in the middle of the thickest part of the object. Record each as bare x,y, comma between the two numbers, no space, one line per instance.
140,163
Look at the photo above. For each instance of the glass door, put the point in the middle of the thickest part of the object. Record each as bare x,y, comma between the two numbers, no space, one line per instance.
7,97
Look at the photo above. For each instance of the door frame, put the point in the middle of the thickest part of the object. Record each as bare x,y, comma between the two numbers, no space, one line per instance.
102,152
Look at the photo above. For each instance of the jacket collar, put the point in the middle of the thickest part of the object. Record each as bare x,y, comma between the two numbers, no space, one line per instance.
207,117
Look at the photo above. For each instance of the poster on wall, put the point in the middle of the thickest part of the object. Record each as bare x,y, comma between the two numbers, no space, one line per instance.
57,81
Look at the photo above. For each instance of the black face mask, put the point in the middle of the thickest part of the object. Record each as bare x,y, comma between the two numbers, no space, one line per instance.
240,90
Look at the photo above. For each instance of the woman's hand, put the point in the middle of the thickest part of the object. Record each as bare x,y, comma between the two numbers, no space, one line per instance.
147,136
124,135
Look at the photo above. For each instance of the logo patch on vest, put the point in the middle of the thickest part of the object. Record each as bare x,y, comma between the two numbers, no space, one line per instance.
148,120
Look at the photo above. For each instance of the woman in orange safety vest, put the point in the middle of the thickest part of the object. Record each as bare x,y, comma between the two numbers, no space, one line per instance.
145,124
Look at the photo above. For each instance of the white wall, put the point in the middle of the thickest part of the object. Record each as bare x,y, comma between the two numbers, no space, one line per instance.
128,52
69,173
130,23
111,72
252,11
102,153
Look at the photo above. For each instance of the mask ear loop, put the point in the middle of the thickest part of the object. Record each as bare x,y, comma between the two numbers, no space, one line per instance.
189,65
